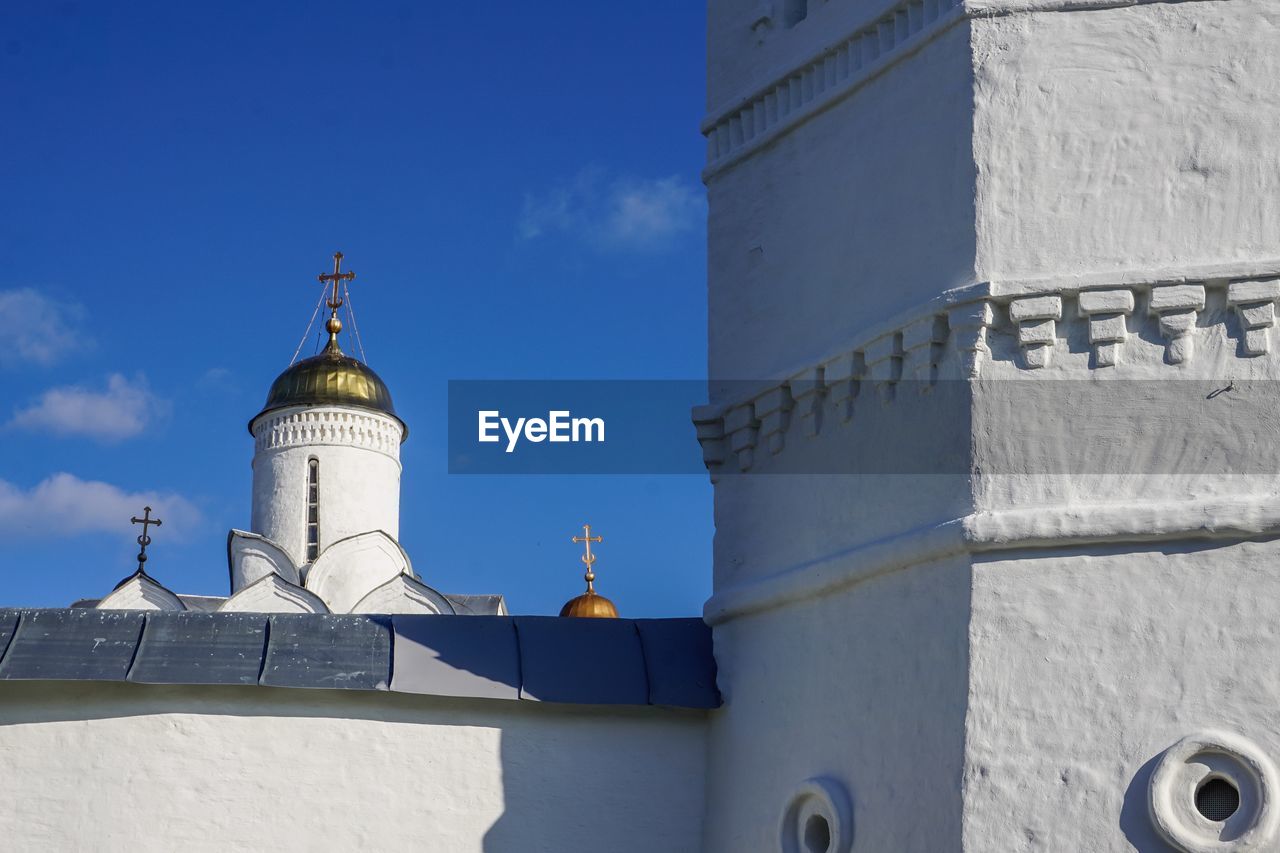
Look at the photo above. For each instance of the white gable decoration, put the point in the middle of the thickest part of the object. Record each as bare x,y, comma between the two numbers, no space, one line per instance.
251,557
404,594
351,568
141,592
273,594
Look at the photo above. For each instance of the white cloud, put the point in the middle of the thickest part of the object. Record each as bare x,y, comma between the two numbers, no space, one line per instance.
120,411
37,329
614,213
219,379
65,505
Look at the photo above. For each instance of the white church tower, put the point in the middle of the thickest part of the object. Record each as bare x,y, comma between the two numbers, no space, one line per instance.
996,556
326,461
325,518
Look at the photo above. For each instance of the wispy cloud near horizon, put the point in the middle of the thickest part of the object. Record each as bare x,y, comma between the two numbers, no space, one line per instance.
39,330
122,410
64,505
614,213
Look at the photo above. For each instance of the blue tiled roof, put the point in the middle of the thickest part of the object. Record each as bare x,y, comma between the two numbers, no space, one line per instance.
664,662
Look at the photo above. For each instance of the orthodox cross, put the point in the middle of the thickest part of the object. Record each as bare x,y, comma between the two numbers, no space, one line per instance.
336,278
144,540
586,539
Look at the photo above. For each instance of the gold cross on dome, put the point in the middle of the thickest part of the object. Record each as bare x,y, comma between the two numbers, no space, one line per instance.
144,540
586,539
335,279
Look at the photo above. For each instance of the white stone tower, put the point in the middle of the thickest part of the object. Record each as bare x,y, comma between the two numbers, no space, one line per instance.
326,461
1004,272
325,522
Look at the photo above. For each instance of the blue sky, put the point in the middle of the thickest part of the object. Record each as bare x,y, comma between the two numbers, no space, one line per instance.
515,184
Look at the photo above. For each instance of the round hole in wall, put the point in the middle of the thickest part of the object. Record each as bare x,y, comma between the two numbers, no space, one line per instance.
1217,799
817,834
817,819
1215,792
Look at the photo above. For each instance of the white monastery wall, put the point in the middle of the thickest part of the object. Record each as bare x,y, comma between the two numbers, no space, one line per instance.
750,43
1126,138
866,687
359,456
905,437
110,766
860,213
1072,205
1170,445
1155,419
1088,663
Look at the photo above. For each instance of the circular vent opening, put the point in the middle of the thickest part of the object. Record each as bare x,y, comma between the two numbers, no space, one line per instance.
1217,799
817,834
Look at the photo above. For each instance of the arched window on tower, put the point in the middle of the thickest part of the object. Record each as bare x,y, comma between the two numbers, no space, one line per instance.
313,509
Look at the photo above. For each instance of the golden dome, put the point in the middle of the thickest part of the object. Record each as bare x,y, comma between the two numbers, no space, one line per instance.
590,605
331,378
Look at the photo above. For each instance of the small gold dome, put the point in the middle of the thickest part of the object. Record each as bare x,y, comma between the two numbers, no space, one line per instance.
590,605
331,378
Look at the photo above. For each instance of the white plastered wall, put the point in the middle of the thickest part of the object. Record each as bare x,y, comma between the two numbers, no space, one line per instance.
1096,138
1087,663
1126,138
768,523
866,686
858,213
861,212
132,767
742,56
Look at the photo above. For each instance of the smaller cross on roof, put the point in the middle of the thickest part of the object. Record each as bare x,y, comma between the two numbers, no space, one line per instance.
144,540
